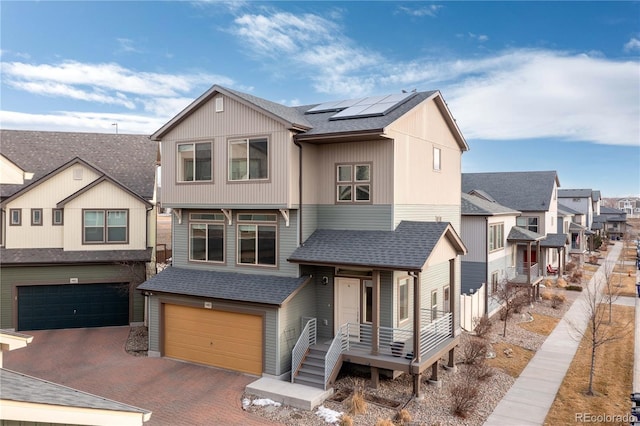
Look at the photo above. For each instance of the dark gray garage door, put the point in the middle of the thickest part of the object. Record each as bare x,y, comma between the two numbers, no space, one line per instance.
45,307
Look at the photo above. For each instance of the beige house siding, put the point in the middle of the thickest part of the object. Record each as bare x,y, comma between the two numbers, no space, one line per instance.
46,196
105,196
416,134
428,213
9,172
236,121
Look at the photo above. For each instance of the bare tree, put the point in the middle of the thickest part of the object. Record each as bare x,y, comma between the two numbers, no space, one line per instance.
598,331
512,298
611,292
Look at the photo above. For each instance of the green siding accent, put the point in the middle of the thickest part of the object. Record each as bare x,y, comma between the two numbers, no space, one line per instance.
377,217
270,324
309,220
323,299
287,243
86,274
290,324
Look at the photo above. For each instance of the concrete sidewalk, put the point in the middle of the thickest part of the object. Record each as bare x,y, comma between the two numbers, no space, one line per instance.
531,396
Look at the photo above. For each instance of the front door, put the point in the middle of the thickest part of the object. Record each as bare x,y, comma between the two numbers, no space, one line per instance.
347,304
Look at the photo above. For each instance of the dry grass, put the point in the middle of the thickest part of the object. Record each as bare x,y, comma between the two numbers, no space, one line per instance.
512,366
624,284
612,382
541,324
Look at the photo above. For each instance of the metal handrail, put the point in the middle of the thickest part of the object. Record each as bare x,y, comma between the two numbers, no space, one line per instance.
435,333
305,341
338,345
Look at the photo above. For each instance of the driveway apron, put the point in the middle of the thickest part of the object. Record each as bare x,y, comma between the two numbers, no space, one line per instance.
94,360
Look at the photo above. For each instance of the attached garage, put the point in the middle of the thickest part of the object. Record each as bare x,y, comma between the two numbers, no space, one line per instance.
225,339
44,307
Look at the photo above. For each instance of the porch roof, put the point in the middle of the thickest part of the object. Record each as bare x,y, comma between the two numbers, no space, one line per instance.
555,240
268,289
518,234
406,248
32,256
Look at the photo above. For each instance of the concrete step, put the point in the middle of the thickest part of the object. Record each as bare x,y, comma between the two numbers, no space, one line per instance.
296,395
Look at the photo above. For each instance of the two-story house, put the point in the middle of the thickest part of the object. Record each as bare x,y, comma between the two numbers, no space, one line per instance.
334,223
581,201
613,222
78,227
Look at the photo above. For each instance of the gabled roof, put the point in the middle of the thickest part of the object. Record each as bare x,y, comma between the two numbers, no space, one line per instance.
128,159
574,193
19,387
473,205
254,288
595,195
518,234
566,210
319,125
523,191
611,211
576,227
555,240
35,256
407,248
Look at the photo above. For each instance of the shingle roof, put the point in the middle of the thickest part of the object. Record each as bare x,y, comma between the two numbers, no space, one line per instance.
595,195
575,193
57,255
521,234
555,240
129,159
23,388
523,191
406,248
269,289
609,210
567,210
475,206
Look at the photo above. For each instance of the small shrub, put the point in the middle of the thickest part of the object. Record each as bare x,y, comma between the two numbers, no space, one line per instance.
474,350
561,283
464,396
481,371
574,287
546,294
384,422
356,404
570,267
403,417
482,326
346,420
520,301
557,300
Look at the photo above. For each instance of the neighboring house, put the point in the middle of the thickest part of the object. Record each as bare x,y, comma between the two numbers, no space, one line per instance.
614,222
490,258
579,200
631,206
29,400
596,199
579,235
80,233
534,195
335,222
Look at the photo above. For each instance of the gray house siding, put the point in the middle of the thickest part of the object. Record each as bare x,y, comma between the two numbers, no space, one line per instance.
290,324
427,213
474,235
287,241
271,364
473,275
376,217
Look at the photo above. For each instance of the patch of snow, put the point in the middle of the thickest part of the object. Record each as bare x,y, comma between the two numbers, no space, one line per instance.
262,402
246,402
328,415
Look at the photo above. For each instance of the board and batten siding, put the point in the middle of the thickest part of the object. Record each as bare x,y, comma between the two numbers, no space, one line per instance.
303,304
54,275
270,323
474,236
237,121
287,238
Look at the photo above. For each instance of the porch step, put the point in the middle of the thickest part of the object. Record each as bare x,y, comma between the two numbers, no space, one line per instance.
311,371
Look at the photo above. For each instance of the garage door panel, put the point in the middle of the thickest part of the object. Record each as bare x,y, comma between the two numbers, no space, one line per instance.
223,339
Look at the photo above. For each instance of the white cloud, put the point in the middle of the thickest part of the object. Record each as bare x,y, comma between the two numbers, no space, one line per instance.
47,88
430,10
632,45
127,45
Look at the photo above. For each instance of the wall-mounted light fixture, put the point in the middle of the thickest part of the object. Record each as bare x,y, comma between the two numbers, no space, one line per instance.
325,280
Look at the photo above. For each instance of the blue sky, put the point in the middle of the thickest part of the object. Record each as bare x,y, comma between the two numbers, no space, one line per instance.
533,85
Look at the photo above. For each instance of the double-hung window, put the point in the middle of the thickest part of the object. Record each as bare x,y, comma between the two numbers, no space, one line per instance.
527,222
353,183
194,162
105,226
256,239
36,217
58,217
249,159
496,236
206,237
15,217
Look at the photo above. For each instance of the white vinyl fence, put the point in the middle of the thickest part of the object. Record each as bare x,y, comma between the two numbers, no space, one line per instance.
472,307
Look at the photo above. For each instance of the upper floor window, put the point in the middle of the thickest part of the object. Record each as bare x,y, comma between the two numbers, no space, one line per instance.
206,237
194,162
58,217
15,217
105,226
36,217
353,183
530,223
437,156
256,239
446,299
496,236
248,159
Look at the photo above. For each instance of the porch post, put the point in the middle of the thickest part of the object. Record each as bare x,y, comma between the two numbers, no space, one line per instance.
529,262
375,315
416,318
452,292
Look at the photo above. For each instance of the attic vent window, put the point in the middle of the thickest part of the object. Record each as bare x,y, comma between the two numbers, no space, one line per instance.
77,174
219,104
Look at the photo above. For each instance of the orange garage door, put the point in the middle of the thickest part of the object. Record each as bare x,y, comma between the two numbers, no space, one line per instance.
223,339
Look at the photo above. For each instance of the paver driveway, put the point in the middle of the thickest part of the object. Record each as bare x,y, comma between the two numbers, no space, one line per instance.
94,360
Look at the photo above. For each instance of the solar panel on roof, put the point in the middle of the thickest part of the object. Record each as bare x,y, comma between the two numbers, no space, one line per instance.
334,106
373,106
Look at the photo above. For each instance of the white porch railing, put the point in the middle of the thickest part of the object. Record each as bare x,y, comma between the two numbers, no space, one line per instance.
307,338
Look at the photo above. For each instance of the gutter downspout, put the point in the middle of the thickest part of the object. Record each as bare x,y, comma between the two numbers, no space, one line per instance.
295,141
486,268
